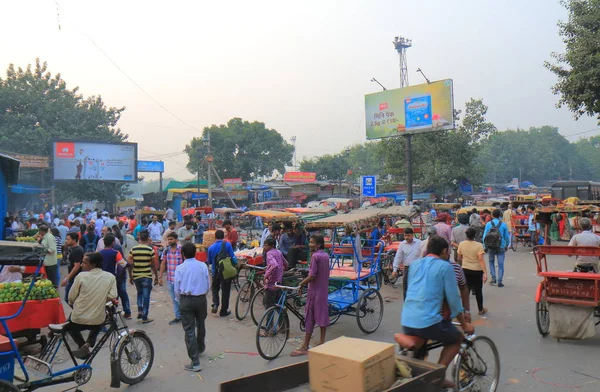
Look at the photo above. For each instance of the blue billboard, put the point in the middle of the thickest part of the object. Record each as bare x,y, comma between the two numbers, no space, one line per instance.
151,166
368,186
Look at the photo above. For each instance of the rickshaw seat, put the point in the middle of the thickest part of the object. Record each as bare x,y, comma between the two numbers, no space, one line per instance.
569,275
5,344
352,275
409,342
58,328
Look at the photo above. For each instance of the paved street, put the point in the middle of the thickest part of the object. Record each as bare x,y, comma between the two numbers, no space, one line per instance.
528,361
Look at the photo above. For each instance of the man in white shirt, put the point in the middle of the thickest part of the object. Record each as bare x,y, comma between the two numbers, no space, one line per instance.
155,228
191,286
11,273
408,251
63,230
170,214
111,221
586,238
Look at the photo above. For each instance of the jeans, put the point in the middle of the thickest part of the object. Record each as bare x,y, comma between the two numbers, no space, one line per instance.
53,274
219,283
500,255
67,289
122,290
144,287
171,287
193,315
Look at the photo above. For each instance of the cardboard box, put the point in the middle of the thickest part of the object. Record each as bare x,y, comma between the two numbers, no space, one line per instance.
348,364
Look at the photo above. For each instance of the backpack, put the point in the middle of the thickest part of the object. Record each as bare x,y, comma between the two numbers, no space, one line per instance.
224,265
90,246
492,239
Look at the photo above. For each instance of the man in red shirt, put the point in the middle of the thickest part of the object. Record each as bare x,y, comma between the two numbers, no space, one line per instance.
231,233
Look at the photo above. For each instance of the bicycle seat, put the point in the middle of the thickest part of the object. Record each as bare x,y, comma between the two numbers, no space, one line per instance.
58,328
409,342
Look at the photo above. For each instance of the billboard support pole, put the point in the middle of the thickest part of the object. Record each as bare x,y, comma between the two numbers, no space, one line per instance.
160,191
409,173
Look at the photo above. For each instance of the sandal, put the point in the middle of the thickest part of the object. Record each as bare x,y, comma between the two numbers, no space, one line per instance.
298,353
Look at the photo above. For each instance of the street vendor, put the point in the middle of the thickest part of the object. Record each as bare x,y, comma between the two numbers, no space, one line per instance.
317,307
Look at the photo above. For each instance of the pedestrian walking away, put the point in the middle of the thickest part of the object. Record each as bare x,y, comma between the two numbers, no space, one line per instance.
143,259
495,241
113,262
191,285
218,251
470,255
172,258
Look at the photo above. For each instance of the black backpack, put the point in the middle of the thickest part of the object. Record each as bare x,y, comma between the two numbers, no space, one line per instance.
493,240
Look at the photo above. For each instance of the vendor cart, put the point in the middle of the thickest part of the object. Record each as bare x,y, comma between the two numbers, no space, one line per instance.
427,377
35,314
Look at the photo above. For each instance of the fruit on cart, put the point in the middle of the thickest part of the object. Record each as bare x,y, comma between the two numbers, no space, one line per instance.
13,292
26,239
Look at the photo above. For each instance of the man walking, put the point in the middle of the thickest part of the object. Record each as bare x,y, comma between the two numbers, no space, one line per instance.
172,258
495,241
74,256
459,233
185,233
408,251
191,286
216,252
232,234
144,259
155,228
50,259
113,262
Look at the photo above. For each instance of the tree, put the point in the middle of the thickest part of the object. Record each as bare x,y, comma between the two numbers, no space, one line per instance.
241,149
36,107
360,159
578,69
586,164
441,157
536,155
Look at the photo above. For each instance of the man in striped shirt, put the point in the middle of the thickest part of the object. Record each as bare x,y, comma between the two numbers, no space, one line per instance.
171,259
144,260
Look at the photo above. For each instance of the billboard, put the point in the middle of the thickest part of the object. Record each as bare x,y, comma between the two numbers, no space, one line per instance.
151,166
32,161
406,111
300,177
94,161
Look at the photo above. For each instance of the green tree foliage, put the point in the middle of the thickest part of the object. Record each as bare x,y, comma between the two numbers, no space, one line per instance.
578,69
586,164
36,107
441,157
541,153
360,159
241,149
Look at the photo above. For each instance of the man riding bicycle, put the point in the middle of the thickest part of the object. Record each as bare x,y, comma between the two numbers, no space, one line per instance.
432,282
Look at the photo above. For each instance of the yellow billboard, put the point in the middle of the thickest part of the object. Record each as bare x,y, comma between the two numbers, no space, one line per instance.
410,110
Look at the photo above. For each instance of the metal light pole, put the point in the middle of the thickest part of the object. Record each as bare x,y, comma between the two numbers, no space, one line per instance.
209,160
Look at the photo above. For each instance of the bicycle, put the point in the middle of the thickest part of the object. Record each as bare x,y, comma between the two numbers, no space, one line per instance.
470,371
387,269
246,294
275,323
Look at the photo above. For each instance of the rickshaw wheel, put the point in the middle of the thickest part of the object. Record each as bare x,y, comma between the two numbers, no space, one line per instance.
513,243
369,310
6,386
542,316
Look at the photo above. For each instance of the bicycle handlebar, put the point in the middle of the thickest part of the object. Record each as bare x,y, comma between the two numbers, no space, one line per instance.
288,287
255,267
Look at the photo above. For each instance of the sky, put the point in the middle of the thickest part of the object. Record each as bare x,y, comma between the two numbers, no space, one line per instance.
302,68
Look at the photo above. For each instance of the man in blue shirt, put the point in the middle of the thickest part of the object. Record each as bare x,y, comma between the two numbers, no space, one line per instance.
532,226
500,252
218,282
431,283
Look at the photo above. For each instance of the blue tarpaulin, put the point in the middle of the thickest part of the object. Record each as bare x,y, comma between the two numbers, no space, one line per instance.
24,188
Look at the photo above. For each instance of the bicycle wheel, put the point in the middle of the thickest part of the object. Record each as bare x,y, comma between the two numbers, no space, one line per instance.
6,386
272,332
257,309
477,367
135,356
369,310
243,301
513,242
542,316
334,314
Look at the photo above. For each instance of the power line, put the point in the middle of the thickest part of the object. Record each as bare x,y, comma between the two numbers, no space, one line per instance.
127,76
581,133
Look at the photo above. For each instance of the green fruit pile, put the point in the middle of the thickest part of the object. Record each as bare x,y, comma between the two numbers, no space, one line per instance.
14,292
26,239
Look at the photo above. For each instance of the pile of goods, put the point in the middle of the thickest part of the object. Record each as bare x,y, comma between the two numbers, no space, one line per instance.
249,253
208,238
26,239
14,292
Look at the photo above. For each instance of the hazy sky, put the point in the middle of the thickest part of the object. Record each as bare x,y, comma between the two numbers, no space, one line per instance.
301,67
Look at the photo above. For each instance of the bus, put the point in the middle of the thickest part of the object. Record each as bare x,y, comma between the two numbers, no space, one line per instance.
584,190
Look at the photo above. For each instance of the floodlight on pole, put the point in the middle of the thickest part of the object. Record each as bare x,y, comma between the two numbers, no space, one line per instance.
401,44
377,81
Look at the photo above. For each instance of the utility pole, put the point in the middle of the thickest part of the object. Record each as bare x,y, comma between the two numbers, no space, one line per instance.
401,44
200,153
209,160
293,140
